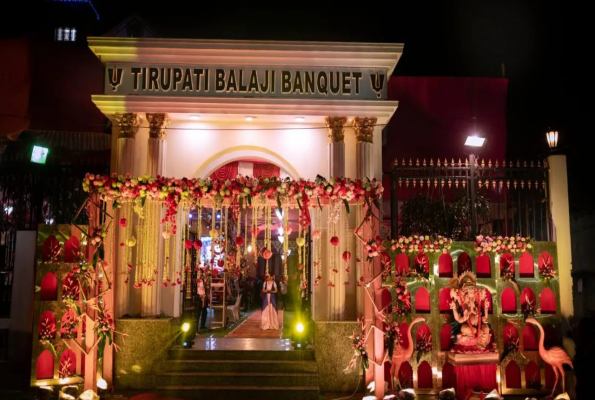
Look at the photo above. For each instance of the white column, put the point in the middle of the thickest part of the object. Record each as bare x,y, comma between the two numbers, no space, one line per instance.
126,130
336,146
364,133
558,182
156,146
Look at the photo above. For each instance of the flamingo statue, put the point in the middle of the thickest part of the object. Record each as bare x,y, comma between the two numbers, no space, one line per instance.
401,354
556,357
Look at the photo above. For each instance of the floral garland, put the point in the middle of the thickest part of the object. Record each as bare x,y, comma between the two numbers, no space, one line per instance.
423,345
546,270
420,243
503,244
173,191
402,298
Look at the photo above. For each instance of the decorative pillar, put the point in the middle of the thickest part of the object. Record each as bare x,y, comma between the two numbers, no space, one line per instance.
558,184
126,130
336,146
364,133
157,144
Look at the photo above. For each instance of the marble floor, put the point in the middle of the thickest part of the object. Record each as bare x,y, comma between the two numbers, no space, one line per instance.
242,344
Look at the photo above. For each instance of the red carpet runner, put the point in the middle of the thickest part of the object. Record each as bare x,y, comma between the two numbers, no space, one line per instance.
250,328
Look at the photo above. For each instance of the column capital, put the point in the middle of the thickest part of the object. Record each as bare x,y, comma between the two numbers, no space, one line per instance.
364,129
335,126
128,123
157,124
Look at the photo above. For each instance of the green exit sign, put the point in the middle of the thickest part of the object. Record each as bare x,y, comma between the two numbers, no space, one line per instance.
39,154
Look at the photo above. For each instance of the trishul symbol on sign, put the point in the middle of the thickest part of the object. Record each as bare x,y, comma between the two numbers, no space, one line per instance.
377,83
115,77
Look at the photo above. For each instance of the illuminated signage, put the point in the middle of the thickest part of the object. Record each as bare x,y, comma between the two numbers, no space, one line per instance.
39,154
341,83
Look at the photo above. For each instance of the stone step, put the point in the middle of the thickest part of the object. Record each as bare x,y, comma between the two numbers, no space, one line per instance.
233,379
240,366
191,354
240,392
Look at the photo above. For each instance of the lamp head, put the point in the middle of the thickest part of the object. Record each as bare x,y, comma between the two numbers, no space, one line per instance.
475,141
552,139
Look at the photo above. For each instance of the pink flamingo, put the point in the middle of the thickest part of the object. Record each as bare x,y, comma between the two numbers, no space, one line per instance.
401,354
554,356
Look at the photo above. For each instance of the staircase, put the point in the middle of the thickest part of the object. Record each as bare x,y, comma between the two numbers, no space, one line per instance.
240,374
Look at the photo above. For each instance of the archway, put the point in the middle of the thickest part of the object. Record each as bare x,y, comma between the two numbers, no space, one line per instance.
245,153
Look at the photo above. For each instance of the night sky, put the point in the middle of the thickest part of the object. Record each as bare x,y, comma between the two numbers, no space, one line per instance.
543,45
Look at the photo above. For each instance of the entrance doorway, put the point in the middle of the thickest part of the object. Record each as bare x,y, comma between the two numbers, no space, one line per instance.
234,281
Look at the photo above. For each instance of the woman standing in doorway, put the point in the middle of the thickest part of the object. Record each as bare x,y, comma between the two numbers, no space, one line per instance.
269,319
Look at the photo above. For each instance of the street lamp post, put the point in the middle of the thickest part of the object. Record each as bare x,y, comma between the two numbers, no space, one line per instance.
478,142
472,191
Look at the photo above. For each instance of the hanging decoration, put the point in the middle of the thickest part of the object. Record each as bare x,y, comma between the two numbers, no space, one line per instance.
334,215
347,260
267,253
173,191
254,232
301,243
286,233
317,258
129,241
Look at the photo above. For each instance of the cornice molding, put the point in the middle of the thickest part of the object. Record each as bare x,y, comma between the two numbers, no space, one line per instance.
110,105
247,53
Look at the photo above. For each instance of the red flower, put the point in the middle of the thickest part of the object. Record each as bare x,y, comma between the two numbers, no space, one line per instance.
188,244
239,241
197,244
334,241
123,222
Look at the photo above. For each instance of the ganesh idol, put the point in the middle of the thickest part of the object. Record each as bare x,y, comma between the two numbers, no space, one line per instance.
469,305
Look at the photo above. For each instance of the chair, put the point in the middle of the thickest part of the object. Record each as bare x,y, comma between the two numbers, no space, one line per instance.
234,309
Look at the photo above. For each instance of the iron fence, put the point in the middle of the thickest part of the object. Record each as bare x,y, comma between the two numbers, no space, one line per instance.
463,198
33,194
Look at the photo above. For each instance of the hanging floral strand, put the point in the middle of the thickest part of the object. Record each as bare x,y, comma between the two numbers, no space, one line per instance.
254,229
165,277
285,243
245,229
316,238
267,244
299,241
199,233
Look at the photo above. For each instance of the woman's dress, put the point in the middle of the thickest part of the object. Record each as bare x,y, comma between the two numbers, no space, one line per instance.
269,318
